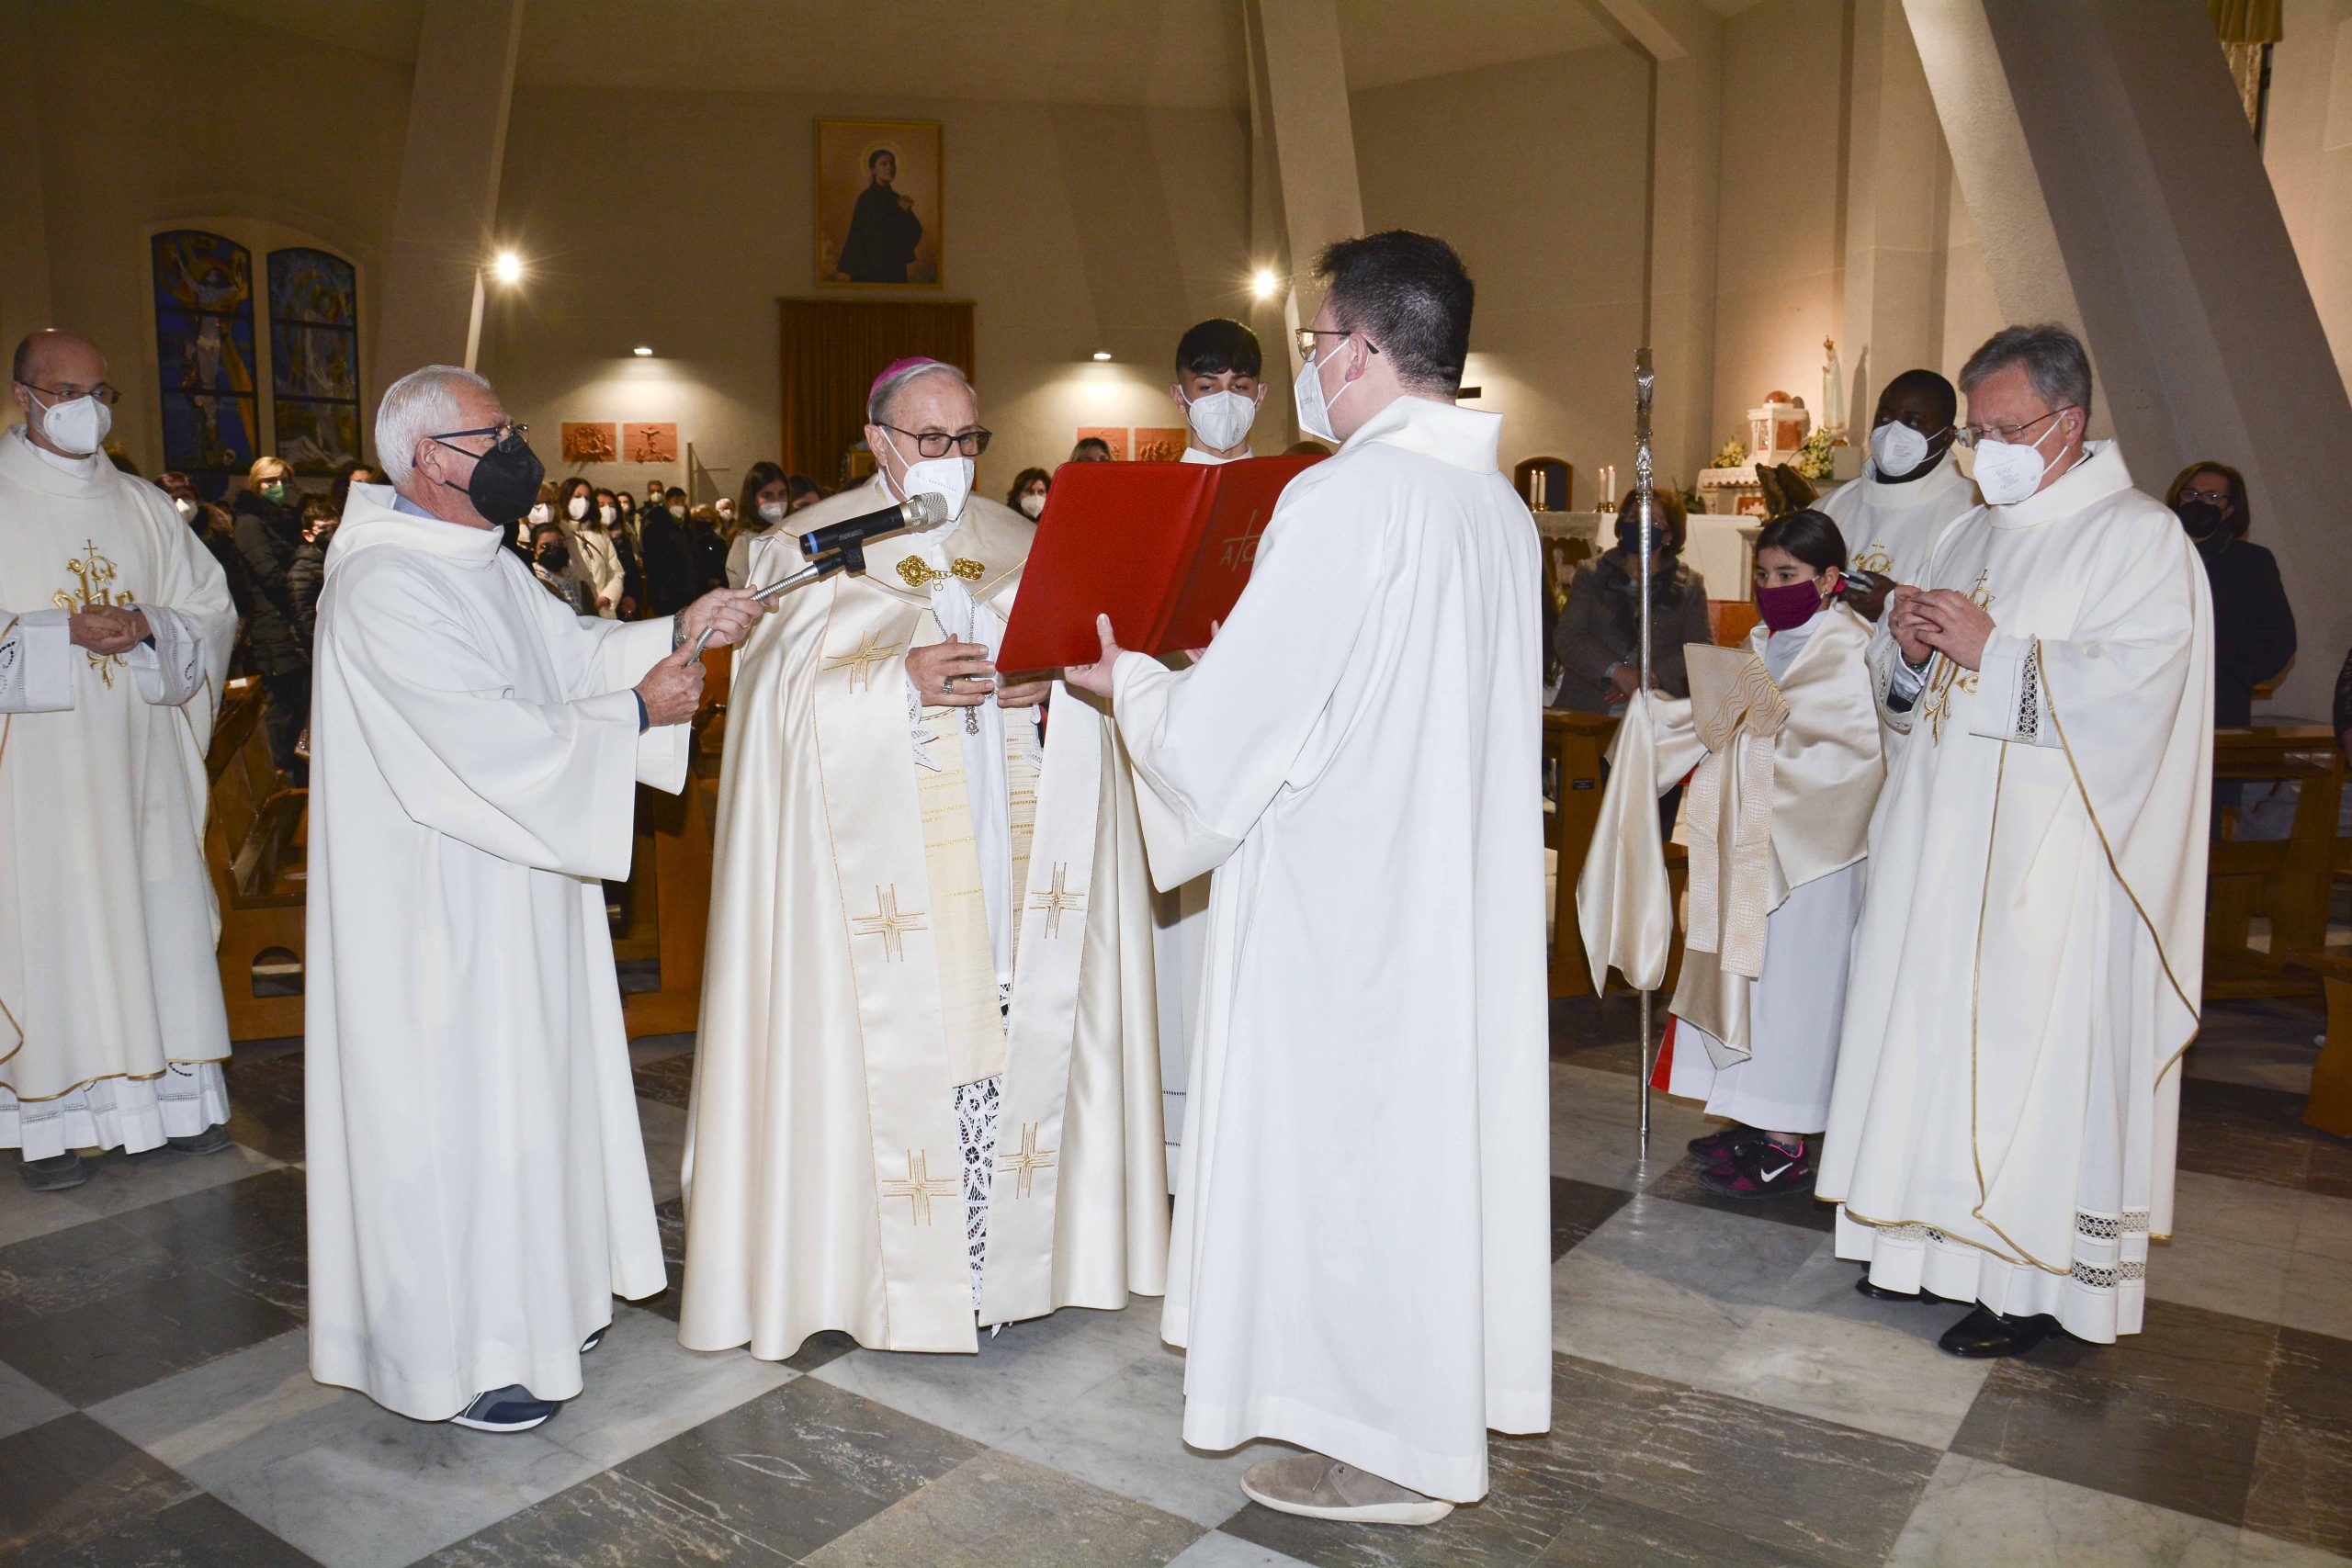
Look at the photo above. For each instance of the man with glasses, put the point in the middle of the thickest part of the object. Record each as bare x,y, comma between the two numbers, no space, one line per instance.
927,1091
2026,965
115,630
478,1190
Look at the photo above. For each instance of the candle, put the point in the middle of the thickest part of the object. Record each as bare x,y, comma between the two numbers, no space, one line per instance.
1609,482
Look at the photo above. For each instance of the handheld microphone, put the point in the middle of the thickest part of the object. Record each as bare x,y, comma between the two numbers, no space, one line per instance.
924,510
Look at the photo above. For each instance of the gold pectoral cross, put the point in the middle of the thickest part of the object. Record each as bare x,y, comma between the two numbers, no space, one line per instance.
917,573
93,573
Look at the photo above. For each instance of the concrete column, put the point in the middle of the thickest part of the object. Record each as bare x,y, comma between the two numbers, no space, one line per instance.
2106,160
1897,199
24,227
1303,171
429,301
2307,144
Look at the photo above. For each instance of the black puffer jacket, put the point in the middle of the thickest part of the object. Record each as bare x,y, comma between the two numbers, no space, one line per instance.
268,537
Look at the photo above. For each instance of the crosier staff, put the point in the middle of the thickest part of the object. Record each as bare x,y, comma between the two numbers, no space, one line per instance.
1645,383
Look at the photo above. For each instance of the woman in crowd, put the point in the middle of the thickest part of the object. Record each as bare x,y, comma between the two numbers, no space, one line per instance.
268,531
349,472
2254,628
626,542
1028,493
768,499
551,564
1599,637
707,549
594,560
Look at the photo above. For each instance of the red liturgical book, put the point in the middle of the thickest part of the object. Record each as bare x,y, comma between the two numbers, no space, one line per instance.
1162,548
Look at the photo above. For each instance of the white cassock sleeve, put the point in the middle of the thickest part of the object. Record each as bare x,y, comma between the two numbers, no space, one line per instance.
171,671
193,623
1213,744
36,661
598,655
549,785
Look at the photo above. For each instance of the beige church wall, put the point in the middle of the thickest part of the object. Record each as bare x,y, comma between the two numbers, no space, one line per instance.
1779,247
154,115
2307,147
1534,171
1972,314
676,220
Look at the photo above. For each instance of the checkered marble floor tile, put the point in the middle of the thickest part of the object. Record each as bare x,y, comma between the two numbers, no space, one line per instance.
1723,1395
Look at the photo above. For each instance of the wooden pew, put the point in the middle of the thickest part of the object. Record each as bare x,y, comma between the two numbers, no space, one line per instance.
2286,880
1573,745
668,900
253,842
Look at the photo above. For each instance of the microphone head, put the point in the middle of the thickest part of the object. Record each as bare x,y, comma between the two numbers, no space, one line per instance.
926,511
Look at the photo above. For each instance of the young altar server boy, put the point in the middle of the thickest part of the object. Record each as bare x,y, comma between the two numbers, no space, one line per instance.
1774,892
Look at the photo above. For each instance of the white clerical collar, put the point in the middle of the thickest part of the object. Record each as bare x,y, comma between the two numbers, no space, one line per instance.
79,468
1194,455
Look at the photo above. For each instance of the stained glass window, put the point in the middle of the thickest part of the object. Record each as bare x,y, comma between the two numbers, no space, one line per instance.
315,358
204,354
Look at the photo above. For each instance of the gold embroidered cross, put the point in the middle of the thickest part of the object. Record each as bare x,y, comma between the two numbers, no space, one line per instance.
93,572
1937,705
1057,898
1029,1160
860,662
889,922
920,1186
918,573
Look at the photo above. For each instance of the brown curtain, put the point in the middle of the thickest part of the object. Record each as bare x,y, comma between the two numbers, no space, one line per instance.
832,349
2248,21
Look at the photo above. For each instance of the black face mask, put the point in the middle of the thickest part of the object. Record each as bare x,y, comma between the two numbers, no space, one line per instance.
505,482
2202,517
555,558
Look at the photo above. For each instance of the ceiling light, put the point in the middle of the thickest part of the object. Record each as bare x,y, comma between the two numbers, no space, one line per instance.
642,352
1263,285
508,267
1100,355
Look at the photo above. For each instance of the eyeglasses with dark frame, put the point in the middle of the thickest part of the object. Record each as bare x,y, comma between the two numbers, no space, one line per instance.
1305,337
935,443
105,392
450,438
1970,434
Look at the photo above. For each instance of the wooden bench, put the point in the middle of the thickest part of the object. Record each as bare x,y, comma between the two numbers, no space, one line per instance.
2286,880
252,843
1573,746
2330,1106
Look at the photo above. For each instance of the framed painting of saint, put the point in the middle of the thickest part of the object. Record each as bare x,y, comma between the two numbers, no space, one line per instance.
880,197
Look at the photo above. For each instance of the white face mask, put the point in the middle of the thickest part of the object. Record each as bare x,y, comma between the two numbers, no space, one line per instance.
186,507
75,426
577,507
773,512
542,512
1221,419
2009,471
605,514
950,478
1313,411
1897,449
726,509
1033,503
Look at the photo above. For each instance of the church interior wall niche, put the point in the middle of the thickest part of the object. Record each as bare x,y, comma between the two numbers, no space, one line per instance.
204,355
880,190
315,358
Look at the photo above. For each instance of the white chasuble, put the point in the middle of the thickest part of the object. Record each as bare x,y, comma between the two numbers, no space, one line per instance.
1890,528
111,1024
477,1190
851,1000
1362,1263
2030,950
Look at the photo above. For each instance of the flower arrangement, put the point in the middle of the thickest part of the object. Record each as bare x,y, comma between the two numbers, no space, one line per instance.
1733,454
1812,457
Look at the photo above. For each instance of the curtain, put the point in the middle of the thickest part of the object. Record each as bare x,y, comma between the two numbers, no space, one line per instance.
832,349
2248,21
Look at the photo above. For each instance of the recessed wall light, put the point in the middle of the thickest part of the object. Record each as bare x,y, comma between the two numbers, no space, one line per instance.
642,352
1100,355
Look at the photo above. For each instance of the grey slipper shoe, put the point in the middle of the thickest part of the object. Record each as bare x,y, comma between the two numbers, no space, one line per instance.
1316,1487
211,1141
56,1173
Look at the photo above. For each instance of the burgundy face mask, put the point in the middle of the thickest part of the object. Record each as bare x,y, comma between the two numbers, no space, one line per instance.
1789,605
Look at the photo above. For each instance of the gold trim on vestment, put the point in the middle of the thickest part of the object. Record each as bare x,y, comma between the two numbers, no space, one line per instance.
1931,1225
169,1063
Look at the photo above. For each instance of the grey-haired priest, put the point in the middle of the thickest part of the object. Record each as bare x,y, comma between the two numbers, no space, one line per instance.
477,1178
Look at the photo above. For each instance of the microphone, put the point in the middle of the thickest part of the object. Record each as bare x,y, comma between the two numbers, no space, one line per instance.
924,510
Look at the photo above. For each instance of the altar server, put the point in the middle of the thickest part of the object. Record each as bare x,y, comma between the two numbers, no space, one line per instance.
115,630
1784,735
1362,1261
1218,391
477,1191
1911,487
2027,968
926,1087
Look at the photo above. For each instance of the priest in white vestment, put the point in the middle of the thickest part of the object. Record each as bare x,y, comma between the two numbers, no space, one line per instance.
115,631
1910,489
1362,1263
477,1190
1218,391
2027,969
926,1087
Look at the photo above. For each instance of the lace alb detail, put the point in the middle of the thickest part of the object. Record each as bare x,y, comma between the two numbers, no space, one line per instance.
2104,1276
2111,1227
2028,724
1911,1230
2135,1221
975,1109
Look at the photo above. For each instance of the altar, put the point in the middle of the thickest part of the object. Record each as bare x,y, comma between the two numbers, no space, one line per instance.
1721,549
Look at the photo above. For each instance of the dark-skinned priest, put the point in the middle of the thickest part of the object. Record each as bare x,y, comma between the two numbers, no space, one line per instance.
926,1087
1362,1263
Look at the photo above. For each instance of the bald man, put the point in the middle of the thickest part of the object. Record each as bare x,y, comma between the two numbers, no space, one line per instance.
114,629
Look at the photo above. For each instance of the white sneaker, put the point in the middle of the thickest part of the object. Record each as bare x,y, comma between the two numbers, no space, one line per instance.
1316,1487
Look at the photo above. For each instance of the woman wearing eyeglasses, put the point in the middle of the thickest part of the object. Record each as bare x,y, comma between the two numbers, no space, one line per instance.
2254,627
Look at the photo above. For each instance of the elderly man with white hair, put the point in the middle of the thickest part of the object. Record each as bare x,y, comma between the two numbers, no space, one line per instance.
477,1179
927,1083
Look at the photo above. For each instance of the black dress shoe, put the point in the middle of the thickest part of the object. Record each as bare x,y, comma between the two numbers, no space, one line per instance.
1881,1293
1985,1333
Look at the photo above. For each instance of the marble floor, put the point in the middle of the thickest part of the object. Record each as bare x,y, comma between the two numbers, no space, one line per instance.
1723,1397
